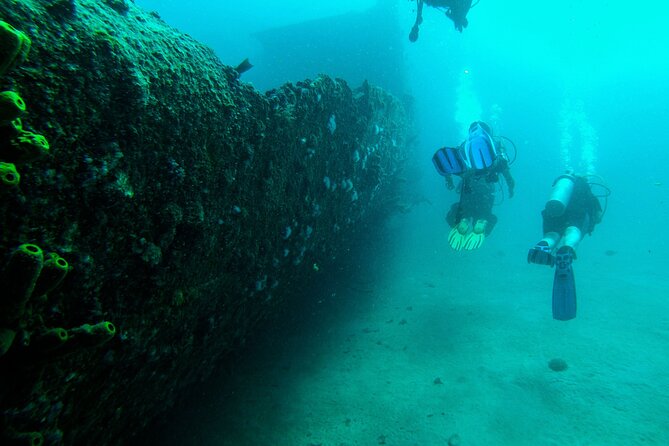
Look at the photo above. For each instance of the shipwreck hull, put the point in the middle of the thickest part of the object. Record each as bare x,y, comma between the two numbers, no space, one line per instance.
186,204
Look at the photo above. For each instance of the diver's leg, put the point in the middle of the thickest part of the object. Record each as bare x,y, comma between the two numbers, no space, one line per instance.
572,237
454,214
460,225
479,206
551,239
413,35
490,223
542,252
553,228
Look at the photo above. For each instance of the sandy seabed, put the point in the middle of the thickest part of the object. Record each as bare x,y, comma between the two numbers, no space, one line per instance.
421,345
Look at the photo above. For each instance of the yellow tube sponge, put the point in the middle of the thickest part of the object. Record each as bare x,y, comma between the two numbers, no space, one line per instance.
91,335
8,175
12,106
26,146
14,47
48,340
18,281
54,270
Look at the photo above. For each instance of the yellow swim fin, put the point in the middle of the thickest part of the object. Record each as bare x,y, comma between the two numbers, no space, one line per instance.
456,238
476,238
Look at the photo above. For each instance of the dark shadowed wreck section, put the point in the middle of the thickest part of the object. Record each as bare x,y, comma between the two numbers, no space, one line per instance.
155,209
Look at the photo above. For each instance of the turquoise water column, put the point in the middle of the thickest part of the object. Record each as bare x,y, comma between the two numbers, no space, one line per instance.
467,105
579,140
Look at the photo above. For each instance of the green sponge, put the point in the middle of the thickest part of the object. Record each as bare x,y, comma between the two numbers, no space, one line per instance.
48,340
12,106
91,335
57,342
8,175
18,281
54,270
14,47
25,146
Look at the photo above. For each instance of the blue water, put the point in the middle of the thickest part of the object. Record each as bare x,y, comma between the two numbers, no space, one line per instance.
574,84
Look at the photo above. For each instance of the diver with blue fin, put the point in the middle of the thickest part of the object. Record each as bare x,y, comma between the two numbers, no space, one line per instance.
572,211
456,10
478,161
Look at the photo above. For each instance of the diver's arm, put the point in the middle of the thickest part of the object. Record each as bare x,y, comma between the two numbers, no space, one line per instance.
506,173
449,182
595,210
502,166
413,35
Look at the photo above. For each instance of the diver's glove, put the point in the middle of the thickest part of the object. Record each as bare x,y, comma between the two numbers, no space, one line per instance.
477,236
541,254
456,238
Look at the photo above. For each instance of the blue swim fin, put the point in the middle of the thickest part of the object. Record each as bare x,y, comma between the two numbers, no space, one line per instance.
564,286
448,161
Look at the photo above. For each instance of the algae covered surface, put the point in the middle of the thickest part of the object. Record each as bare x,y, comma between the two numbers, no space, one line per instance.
183,204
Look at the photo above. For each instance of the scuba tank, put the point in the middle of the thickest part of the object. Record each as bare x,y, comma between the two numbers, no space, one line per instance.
563,187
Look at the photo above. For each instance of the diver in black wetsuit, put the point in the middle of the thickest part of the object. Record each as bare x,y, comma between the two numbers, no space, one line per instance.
455,10
479,161
572,211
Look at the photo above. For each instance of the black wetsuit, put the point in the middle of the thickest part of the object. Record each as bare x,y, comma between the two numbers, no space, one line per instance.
477,194
456,10
583,211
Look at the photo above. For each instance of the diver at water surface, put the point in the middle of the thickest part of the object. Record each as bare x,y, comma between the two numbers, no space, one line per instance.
456,10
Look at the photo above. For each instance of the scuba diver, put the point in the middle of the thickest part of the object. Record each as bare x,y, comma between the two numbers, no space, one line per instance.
478,161
572,211
456,10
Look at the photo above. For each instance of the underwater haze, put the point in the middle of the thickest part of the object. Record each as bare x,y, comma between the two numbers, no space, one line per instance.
413,343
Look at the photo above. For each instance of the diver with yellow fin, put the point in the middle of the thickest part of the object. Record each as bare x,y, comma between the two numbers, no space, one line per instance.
478,161
572,211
